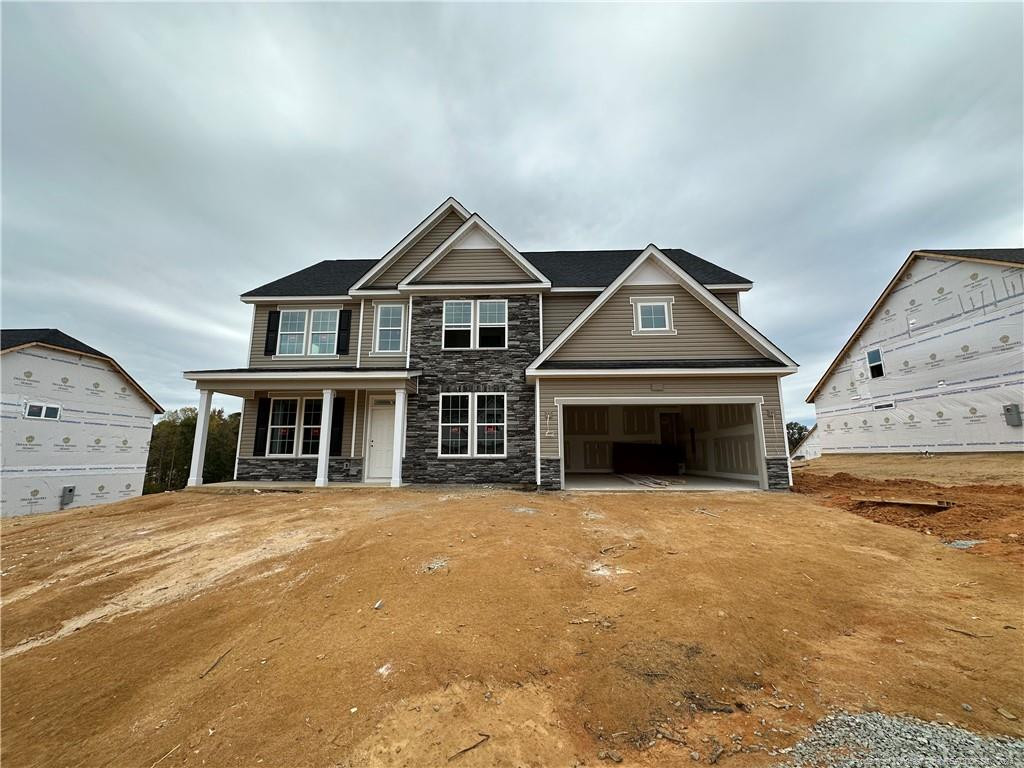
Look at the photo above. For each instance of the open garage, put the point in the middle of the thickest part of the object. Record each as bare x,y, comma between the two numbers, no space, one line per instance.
661,444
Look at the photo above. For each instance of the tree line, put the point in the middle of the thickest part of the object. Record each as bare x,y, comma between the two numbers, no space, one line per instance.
170,449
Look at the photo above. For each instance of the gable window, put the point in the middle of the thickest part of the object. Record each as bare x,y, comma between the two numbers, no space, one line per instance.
458,325
481,415
291,335
284,415
389,327
652,316
492,324
312,412
875,367
323,332
42,411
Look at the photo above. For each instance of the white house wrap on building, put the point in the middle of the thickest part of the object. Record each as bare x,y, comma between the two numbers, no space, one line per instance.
937,365
75,427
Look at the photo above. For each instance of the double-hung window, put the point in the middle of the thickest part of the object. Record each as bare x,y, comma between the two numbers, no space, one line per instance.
472,424
389,327
323,332
291,334
42,411
652,316
284,416
481,324
312,412
875,367
492,324
458,325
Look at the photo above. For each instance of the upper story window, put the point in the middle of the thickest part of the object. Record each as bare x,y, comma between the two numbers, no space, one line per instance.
323,332
389,326
481,324
875,367
42,411
652,316
291,334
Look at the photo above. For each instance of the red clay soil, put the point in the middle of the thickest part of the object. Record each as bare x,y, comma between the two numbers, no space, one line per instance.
991,514
379,627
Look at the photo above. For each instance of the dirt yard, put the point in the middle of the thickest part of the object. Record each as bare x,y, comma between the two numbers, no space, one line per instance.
395,628
986,490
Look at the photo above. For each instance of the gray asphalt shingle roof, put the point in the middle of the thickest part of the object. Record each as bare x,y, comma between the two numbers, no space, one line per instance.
1011,255
565,269
16,337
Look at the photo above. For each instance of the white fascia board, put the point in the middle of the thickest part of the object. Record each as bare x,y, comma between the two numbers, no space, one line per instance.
660,399
728,286
599,373
593,289
374,292
300,376
460,288
451,204
474,221
281,299
708,299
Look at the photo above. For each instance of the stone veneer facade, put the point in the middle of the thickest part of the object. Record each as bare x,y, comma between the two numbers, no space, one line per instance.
483,370
339,469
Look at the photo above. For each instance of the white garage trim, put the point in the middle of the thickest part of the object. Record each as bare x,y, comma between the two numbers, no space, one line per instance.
755,400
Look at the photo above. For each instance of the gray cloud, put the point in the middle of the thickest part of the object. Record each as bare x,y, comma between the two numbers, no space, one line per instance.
161,159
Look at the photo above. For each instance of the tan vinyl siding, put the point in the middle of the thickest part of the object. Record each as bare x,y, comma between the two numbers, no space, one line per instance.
560,309
371,359
419,250
683,386
259,335
700,333
249,411
731,300
476,265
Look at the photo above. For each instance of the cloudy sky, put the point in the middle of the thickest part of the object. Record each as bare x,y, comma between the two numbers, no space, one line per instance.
160,160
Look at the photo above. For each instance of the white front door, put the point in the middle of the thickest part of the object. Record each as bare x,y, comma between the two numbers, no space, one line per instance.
381,438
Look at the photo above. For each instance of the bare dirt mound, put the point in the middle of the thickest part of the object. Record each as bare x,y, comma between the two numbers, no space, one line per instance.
377,627
985,519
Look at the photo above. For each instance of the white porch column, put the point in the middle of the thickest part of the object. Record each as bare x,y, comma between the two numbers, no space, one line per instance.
195,475
399,439
324,456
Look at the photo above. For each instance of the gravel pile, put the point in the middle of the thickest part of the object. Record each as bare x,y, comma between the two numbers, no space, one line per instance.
874,740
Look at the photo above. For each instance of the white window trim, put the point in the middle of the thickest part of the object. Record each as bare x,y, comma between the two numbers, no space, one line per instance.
472,427
303,425
44,406
309,334
458,327
665,301
474,326
300,425
478,325
271,425
881,361
376,329
305,334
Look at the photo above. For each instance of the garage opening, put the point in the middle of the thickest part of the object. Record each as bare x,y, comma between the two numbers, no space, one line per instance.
661,447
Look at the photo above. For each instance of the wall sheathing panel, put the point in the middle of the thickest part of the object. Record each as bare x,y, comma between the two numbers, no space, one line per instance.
950,337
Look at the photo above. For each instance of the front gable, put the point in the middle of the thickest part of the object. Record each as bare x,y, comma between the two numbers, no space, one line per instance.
474,254
423,240
700,326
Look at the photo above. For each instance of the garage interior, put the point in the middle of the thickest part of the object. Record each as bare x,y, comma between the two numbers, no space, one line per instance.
661,447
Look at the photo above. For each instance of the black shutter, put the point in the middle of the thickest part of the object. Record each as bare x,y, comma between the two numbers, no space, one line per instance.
337,422
344,331
259,443
273,323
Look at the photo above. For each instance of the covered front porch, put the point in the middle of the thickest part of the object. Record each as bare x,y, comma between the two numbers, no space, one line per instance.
311,428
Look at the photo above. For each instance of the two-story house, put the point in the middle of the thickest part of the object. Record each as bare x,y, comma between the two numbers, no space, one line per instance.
456,358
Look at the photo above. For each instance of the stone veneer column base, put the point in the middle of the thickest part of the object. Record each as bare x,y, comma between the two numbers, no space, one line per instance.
551,474
778,474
